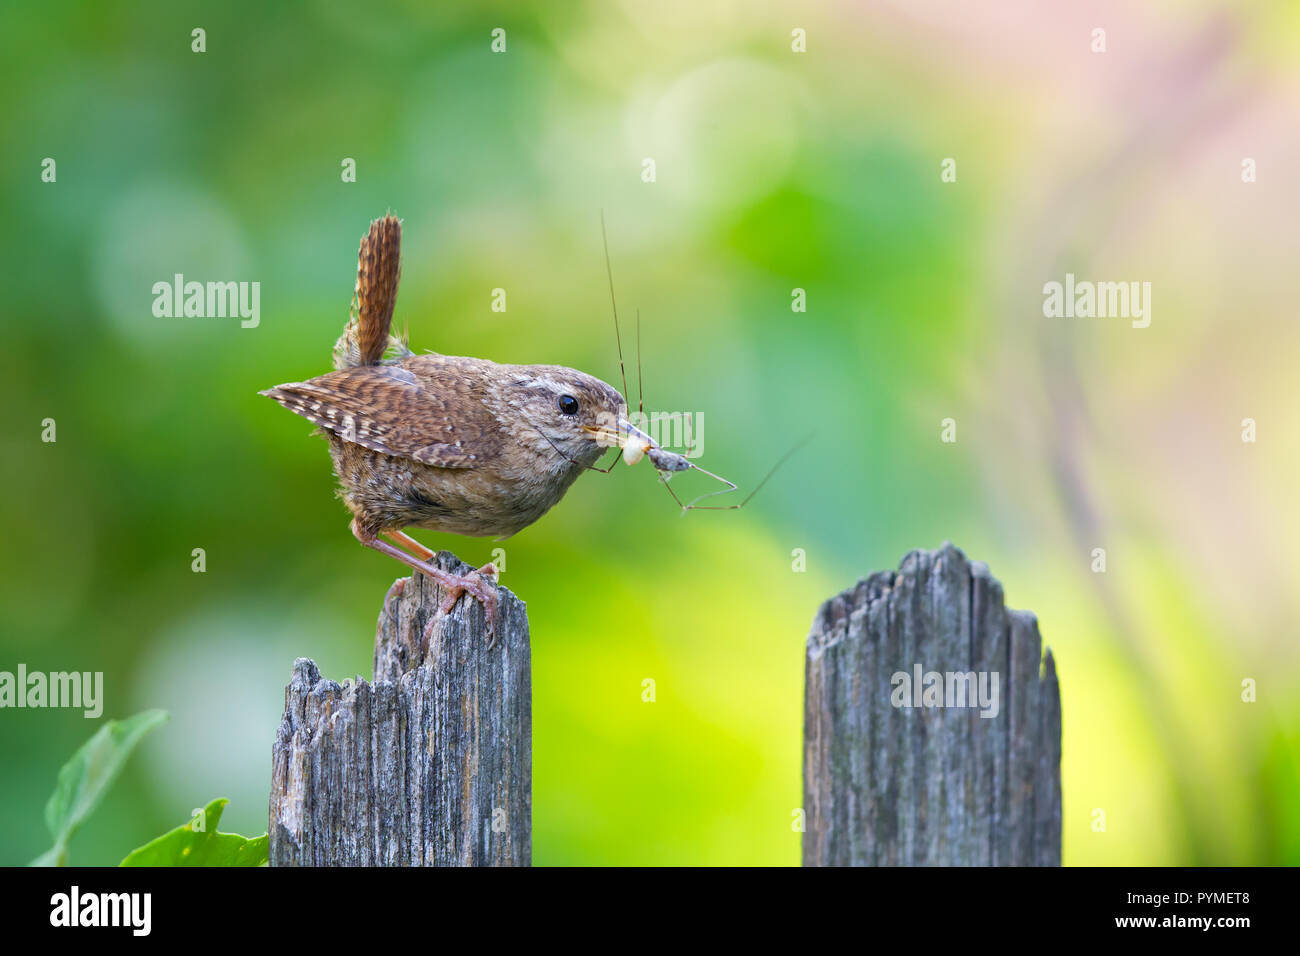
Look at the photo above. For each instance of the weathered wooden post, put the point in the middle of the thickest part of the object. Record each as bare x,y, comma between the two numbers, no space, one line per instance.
900,766
429,765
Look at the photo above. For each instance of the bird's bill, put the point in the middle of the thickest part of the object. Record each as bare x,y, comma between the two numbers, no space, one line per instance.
616,433
634,442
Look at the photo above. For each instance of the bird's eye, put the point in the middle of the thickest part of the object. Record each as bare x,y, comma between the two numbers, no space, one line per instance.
568,405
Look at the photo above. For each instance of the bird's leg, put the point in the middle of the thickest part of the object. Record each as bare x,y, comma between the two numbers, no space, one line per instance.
410,544
488,571
454,584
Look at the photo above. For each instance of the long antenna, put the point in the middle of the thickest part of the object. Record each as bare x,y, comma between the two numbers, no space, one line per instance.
640,396
609,271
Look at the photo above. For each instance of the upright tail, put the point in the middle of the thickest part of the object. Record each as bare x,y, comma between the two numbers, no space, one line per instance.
366,337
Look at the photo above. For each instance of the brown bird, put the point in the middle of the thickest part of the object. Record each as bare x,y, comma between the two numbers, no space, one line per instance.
461,445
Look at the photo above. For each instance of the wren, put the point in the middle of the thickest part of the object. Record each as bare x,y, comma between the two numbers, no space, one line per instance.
461,445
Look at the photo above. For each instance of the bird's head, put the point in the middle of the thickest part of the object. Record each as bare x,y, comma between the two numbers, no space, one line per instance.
574,415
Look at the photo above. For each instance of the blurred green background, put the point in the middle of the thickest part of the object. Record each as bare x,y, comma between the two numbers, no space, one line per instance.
775,170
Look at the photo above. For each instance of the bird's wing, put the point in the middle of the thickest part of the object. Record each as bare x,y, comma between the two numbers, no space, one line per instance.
384,408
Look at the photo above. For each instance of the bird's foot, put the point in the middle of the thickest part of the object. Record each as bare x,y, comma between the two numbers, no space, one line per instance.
482,585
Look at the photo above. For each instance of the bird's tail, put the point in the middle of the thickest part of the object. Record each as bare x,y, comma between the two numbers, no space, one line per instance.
367,335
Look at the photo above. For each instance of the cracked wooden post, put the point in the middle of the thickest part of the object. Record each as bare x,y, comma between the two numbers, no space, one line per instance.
890,779
429,765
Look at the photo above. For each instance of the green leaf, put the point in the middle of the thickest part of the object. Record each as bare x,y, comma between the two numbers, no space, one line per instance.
187,846
85,779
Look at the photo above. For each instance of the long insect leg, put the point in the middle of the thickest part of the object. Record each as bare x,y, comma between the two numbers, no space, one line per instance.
694,505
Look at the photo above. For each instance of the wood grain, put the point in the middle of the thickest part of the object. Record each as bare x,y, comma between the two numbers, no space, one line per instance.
429,765
888,785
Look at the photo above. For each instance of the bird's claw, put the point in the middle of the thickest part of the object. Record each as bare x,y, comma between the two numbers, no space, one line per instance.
482,585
